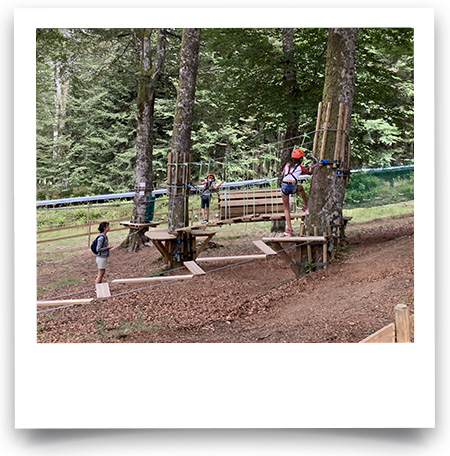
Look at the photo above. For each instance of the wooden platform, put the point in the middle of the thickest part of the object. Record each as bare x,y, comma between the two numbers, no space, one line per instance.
160,236
263,217
139,226
299,241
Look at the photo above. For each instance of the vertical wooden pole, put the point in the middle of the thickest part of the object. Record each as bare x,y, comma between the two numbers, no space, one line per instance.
343,137
316,134
169,169
302,232
325,133
325,251
402,324
88,227
338,134
316,256
330,236
348,163
308,248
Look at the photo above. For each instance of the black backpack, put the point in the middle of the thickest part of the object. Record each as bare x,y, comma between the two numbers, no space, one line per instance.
94,244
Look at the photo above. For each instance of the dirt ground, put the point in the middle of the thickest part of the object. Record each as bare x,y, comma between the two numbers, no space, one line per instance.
259,301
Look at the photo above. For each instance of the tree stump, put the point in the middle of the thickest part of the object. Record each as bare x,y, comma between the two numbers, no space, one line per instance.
135,240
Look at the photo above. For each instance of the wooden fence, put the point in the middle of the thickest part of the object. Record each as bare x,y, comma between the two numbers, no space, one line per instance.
401,331
87,226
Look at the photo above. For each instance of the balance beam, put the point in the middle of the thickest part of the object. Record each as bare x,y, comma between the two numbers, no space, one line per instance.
153,279
59,302
295,239
232,258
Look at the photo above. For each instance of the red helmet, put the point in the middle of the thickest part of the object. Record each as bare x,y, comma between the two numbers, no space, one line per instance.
210,175
297,153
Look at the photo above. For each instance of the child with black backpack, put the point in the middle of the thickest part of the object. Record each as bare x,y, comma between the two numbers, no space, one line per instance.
209,186
101,248
290,186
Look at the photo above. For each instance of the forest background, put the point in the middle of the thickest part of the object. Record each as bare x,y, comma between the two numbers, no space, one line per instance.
86,104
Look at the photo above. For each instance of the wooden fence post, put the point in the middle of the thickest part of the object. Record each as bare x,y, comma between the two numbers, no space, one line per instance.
402,324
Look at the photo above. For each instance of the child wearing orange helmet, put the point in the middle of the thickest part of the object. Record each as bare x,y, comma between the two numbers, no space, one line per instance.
290,186
208,186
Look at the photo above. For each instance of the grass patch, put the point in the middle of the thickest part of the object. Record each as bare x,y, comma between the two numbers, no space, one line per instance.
363,214
59,283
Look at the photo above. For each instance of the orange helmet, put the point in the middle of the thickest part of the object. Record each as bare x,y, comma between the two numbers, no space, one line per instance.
297,153
210,175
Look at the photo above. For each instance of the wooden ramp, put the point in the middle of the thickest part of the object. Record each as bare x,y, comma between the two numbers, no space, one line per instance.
264,248
194,268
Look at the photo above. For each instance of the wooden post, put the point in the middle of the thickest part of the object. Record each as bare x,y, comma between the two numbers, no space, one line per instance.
316,134
316,256
344,136
169,169
324,138
299,248
338,135
330,235
88,227
402,323
348,163
325,251
308,248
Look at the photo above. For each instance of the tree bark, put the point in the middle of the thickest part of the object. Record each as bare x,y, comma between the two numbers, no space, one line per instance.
148,78
292,96
181,138
327,189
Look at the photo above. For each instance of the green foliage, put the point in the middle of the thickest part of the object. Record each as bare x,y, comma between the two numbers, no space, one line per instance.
375,189
86,89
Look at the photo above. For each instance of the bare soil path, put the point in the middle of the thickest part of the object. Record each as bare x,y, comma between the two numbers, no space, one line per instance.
257,301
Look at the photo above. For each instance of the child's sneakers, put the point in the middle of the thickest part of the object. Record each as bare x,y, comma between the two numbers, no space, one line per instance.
205,221
288,233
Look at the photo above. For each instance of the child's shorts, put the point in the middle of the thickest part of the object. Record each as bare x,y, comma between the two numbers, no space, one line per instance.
205,202
102,262
288,188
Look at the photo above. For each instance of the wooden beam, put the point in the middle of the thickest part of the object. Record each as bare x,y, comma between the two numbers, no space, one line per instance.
325,252
194,268
153,279
338,134
286,257
64,302
383,335
402,323
295,239
316,134
325,133
344,136
232,258
264,248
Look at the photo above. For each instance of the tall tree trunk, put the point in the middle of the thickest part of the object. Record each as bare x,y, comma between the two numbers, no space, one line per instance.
292,96
147,83
181,137
327,190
